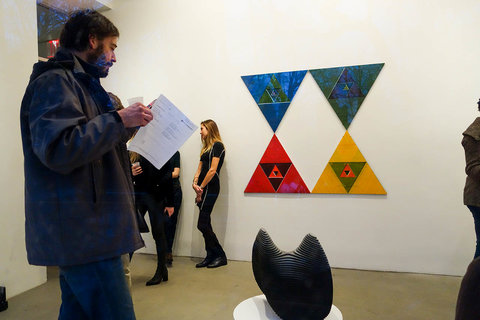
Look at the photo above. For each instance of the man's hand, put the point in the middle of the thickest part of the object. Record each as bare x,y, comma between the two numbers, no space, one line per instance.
135,115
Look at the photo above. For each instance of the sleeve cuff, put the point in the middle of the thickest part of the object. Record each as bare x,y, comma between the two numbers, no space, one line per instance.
117,116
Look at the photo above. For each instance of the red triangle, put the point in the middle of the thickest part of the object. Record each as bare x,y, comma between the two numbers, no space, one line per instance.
293,183
275,173
275,152
259,183
347,172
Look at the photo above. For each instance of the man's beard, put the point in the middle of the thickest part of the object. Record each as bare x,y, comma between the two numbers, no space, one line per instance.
95,59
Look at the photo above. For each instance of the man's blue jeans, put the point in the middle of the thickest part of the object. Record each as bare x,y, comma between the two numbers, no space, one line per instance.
96,290
476,219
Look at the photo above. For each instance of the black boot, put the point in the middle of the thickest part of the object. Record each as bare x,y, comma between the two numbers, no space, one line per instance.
204,263
161,274
217,262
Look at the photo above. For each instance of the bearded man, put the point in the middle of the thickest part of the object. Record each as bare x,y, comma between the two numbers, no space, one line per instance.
79,205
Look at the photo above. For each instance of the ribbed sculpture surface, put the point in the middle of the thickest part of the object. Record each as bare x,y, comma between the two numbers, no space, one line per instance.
298,285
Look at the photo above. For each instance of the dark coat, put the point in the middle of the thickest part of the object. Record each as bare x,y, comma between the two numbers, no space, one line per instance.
79,204
157,182
471,144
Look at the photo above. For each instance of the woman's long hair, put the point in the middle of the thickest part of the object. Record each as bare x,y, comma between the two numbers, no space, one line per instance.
212,137
134,157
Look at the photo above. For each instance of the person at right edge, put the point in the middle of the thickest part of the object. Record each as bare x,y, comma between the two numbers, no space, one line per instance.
467,307
471,192
206,184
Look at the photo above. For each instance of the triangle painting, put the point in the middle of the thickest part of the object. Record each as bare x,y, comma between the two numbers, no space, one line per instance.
276,173
346,87
273,93
348,172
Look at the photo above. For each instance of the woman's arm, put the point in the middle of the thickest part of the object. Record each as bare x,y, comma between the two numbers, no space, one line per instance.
195,178
211,172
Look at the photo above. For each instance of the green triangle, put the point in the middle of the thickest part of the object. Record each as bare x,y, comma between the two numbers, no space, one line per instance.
273,93
365,75
327,78
346,109
338,169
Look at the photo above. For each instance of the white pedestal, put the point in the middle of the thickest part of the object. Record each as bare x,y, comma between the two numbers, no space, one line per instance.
257,308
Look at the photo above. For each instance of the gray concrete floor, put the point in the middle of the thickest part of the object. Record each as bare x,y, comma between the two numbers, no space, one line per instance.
213,293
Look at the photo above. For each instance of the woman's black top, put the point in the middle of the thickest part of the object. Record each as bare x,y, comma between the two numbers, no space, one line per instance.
217,151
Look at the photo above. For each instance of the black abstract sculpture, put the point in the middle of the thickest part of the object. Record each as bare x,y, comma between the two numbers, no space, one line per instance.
298,285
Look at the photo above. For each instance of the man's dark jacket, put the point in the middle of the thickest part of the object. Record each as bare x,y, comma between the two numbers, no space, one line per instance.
471,144
79,204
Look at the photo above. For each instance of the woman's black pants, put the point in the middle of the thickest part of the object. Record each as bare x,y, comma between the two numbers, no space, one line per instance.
155,208
212,246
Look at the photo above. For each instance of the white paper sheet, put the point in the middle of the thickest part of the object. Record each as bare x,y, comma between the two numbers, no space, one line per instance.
164,135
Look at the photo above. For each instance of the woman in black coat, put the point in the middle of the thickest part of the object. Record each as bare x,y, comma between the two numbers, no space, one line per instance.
154,193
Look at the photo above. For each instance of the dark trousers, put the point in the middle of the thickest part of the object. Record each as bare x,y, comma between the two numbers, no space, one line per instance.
468,307
155,208
171,222
476,219
212,246
96,290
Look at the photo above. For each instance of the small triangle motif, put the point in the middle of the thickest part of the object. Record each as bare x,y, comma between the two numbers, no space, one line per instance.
273,93
275,173
347,172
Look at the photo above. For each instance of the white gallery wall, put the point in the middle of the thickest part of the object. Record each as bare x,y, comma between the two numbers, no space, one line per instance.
18,52
408,128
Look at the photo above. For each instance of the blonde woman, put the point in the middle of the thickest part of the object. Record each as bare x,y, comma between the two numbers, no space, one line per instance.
206,184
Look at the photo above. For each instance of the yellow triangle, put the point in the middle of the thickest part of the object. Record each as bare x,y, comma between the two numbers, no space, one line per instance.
367,183
329,182
347,151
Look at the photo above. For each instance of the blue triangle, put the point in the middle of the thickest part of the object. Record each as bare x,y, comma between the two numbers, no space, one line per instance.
274,113
290,81
257,84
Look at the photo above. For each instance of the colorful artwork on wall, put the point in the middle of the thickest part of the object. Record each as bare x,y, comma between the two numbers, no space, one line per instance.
348,172
276,173
273,93
346,87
